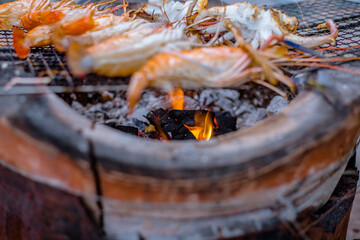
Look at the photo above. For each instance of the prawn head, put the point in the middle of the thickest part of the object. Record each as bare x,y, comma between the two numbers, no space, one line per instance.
44,17
21,44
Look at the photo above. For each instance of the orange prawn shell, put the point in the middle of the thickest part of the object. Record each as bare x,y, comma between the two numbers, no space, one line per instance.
39,36
79,26
12,12
217,57
21,45
44,17
165,69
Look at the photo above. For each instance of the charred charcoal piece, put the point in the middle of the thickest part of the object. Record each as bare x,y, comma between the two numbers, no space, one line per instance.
183,134
139,124
158,113
225,120
126,129
172,122
225,123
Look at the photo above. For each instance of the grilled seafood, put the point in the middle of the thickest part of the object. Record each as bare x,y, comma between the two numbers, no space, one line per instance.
77,21
71,20
34,38
65,4
92,37
12,12
124,54
32,13
216,67
161,52
42,17
169,10
257,25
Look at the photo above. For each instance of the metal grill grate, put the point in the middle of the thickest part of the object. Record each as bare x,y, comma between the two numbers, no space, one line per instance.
47,61
346,14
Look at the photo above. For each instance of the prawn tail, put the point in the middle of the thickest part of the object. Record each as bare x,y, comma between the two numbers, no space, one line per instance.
79,63
137,84
21,44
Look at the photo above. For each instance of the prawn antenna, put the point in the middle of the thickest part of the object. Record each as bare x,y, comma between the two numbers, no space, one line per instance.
302,48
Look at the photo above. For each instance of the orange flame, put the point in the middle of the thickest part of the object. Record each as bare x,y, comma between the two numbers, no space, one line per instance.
203,128
177,99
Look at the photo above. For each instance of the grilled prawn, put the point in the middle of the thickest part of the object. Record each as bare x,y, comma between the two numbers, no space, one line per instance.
77,21
42,17
106,27
216,67
12,12
257,25
125,54
169,10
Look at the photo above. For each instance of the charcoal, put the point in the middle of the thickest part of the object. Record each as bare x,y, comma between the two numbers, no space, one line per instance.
172,122
140,124
225,120
183,134
233,109
128,129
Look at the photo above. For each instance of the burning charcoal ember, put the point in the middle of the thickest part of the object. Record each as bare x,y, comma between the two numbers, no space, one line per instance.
176,124
142,126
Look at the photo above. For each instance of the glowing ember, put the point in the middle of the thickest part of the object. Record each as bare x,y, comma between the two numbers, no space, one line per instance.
177,99
203,128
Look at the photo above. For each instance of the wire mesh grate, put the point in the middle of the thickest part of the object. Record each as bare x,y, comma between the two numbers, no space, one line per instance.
46,61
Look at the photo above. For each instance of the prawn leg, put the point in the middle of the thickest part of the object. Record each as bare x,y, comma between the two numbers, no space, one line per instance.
313,42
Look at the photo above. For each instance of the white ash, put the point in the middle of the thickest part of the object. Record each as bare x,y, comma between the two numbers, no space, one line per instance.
114,107
276,104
